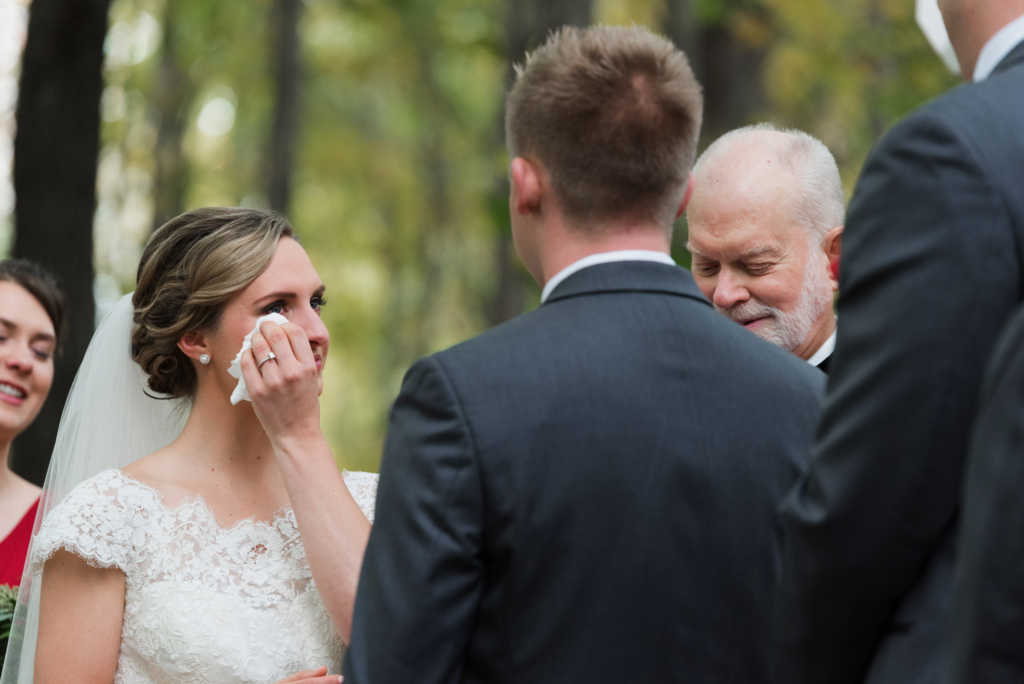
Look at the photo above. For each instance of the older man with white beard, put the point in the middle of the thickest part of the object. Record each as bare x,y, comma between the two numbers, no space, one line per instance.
766,223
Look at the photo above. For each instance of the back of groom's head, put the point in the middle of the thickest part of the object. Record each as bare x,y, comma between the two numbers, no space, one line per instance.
613,114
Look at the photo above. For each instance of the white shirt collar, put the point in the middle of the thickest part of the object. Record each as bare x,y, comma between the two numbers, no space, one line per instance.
603,258
825,350
998,47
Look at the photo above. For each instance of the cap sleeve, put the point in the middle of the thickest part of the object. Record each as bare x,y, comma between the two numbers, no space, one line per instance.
363,487
91,523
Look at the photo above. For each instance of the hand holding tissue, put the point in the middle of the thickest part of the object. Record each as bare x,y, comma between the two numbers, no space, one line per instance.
241,392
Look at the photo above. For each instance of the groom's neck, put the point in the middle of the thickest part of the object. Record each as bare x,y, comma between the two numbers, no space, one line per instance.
566,245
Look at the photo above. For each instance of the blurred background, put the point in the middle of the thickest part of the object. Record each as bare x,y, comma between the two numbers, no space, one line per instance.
376,126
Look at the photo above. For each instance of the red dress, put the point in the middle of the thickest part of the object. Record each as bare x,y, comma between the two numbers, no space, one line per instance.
14,548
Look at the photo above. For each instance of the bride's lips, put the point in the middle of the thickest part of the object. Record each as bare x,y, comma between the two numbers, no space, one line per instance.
319,362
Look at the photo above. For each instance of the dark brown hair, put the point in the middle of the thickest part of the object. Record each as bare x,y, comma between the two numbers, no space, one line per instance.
190,268
42,285
613,114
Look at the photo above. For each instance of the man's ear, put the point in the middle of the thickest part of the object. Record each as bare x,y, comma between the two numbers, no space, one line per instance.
833,247
686,197
525,190
194,345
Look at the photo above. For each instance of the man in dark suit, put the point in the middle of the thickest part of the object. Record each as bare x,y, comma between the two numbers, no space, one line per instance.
988,625
932,268
587,493
766,225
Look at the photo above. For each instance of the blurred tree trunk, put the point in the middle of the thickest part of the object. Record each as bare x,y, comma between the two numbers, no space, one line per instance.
681,26
728,62
172,99
55,154
287,96
527,25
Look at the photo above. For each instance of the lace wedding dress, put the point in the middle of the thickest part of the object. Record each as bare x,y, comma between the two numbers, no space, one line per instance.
202,603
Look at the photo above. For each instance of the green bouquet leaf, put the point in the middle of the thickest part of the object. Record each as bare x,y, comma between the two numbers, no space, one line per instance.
8,598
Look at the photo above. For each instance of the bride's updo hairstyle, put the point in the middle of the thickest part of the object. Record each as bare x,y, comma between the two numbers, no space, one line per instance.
191,267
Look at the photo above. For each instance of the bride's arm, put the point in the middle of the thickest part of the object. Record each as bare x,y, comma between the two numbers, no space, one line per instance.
334,529
81,609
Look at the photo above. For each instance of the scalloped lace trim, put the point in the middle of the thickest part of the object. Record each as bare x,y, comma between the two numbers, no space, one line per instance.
203,603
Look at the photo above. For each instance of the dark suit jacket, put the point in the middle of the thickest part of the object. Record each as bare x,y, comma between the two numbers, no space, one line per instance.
586,494
988,642
932,267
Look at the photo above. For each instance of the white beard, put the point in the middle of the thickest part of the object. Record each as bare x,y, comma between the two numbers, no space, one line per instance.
789,329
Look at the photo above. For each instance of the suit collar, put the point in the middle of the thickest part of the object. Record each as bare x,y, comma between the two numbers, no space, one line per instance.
629,276
1014,59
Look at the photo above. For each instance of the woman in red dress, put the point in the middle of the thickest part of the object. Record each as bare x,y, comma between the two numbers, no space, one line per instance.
31,311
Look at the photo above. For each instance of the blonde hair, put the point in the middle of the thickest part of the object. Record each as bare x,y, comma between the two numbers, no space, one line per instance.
190,268
613,114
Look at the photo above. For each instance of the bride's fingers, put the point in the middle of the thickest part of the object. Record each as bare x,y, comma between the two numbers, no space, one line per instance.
305,674
299,344
329,679
317,676
253,379
270,370
279,343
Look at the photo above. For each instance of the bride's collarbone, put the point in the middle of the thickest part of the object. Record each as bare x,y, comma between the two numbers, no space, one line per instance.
229,498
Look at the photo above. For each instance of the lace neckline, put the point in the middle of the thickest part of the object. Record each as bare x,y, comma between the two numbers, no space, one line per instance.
199,502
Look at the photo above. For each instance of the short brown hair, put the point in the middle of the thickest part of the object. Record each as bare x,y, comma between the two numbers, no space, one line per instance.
190,268
613,114
42,285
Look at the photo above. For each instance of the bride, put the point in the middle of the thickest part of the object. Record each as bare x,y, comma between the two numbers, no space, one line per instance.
168,548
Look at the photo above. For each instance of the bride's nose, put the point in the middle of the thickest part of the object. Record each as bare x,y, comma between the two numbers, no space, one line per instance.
314,327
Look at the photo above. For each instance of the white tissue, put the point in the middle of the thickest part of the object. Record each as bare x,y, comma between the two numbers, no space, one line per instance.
235,369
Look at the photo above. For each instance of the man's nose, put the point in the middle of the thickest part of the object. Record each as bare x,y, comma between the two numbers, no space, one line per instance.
730,290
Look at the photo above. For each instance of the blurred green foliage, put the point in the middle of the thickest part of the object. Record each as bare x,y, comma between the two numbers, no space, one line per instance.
397,185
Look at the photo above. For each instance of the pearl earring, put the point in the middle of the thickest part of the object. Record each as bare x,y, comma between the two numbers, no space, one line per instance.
204,359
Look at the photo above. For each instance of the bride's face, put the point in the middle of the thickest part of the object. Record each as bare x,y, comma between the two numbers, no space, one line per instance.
291,287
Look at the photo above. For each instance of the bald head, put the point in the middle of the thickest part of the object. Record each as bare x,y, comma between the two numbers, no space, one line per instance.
761,169
971,23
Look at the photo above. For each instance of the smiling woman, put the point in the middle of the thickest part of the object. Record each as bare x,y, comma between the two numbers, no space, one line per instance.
31,315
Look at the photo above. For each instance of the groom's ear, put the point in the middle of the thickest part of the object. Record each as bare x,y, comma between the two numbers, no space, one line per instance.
526,190
193,344
690,184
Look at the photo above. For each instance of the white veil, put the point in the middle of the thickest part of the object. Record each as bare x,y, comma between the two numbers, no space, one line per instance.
110,420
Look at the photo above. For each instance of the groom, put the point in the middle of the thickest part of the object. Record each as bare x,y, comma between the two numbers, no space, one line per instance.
587,493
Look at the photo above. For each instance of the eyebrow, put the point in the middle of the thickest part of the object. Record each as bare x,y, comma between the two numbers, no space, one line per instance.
759,251
285,295
44,337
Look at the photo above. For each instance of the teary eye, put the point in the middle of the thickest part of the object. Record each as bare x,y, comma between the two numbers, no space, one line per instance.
276,307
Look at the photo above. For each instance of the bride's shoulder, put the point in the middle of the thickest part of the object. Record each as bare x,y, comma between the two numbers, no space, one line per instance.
96,520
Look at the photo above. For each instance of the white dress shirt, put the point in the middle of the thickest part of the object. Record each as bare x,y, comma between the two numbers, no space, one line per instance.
997,47
824,350
603,258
